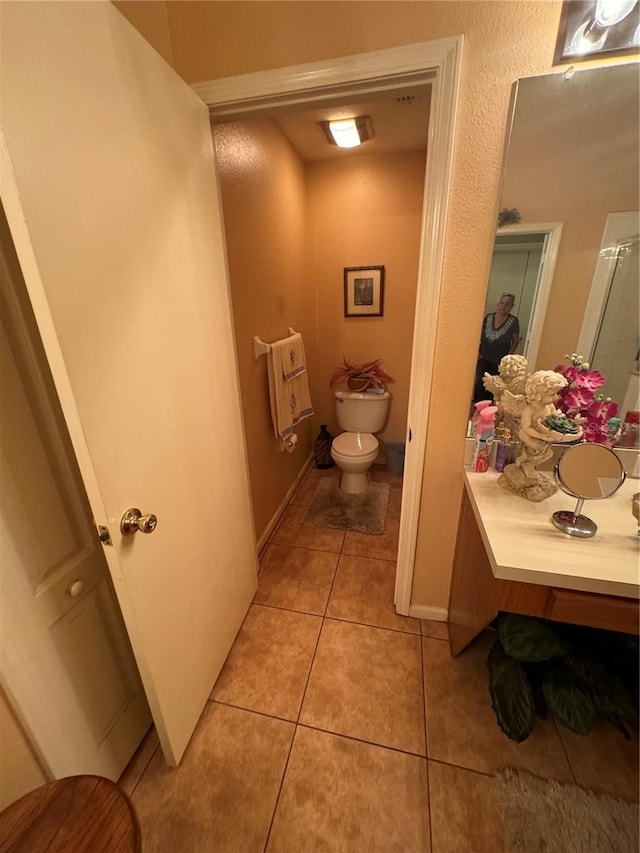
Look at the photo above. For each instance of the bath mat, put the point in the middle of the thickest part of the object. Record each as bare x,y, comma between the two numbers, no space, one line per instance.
554,817
332,508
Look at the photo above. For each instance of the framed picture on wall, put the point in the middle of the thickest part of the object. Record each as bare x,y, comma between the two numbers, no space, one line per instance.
363,291
595,29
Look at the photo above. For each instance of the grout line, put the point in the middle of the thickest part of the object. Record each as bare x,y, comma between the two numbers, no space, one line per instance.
375,627
342,619
286,609
564,749
362,740
426,744
484,773
277,801
306,547
252,711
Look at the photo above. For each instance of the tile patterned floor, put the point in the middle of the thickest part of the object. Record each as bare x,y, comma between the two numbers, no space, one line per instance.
337,725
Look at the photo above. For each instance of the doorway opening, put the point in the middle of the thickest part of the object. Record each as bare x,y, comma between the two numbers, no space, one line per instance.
436,63
524,258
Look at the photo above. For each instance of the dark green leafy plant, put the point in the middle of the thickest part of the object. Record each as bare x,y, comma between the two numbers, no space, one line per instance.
578,674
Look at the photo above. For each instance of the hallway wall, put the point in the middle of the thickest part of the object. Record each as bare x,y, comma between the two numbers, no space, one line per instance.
262,183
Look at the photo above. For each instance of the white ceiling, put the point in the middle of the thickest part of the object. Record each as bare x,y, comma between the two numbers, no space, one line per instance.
400,119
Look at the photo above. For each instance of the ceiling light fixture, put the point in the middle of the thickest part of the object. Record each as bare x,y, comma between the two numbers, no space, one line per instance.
348,133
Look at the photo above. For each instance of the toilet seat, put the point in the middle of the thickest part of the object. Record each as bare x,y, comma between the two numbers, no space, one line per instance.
355,444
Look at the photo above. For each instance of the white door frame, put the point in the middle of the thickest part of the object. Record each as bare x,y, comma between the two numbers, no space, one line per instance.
438,62
553,233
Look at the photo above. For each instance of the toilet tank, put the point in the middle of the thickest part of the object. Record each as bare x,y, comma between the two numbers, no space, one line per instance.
361,412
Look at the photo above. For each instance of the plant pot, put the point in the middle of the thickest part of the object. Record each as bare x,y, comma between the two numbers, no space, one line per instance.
355,384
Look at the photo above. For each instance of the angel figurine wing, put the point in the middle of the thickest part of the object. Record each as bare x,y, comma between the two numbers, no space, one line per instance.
513,403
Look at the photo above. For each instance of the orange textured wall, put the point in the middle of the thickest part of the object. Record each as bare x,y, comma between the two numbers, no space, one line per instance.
365,211
264,204
503,42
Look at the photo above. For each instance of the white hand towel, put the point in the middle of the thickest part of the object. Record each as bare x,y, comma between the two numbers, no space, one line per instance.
290,398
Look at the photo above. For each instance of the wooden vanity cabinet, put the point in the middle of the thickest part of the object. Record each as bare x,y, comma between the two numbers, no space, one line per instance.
477,595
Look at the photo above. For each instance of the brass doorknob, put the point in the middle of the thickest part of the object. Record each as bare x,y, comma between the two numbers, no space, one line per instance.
134,520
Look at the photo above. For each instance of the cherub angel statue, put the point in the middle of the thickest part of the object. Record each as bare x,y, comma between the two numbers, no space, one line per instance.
535,408
512,374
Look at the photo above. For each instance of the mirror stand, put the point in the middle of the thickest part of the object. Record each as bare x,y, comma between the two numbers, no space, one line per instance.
573,523
586,472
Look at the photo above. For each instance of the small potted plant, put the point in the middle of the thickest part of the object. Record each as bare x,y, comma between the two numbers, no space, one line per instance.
359,377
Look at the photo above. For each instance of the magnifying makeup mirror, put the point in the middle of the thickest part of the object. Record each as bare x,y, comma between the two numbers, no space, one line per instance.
586,472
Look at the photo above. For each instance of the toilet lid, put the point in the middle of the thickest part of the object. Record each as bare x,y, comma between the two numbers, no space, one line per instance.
355,443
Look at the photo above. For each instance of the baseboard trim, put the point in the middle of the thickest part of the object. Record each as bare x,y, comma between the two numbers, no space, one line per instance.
275,518
424,611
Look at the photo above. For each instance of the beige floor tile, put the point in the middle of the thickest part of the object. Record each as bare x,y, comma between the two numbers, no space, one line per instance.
296,578
384,546
603,760
363,592
342,795
461,724
293,532
136,767
464,813
268,665
306,491
437,630
221,797
366,682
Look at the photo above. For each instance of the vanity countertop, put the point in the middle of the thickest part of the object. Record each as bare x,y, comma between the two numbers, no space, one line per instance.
523,545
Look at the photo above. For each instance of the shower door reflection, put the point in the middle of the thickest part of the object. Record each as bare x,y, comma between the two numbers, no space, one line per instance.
615,349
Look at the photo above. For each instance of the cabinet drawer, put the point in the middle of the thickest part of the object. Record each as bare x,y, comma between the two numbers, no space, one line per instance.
598,611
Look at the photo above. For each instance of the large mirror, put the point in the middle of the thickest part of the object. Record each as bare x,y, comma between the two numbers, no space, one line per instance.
567,248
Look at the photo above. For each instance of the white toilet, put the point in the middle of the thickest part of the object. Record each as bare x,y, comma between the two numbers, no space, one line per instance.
354,450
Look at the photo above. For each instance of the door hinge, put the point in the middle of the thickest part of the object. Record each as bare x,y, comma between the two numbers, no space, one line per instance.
103,535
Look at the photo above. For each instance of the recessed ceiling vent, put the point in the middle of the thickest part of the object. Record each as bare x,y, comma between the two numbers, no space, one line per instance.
405,100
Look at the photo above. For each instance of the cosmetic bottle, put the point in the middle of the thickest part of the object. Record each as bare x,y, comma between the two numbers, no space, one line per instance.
475,420
614,431
504,448
484,438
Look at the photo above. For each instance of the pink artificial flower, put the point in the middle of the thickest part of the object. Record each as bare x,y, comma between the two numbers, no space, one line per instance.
569,372
577,398
590,379
602,410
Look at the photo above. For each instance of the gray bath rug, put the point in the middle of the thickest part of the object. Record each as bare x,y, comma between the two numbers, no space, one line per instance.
332,508
545,815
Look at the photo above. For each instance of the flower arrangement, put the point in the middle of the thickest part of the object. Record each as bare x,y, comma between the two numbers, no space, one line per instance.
579,402
359,377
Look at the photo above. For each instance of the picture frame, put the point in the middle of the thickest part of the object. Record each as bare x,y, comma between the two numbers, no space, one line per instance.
364,291
582,35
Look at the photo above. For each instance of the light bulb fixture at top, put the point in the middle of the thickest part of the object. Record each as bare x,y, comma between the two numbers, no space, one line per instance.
348,133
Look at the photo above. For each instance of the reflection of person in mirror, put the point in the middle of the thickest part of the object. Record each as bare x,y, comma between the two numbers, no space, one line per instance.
500,336
363,291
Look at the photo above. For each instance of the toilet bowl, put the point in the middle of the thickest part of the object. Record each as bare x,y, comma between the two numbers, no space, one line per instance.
355,449
354,453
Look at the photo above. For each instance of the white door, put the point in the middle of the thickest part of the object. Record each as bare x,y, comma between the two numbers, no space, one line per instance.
65,660
110,192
